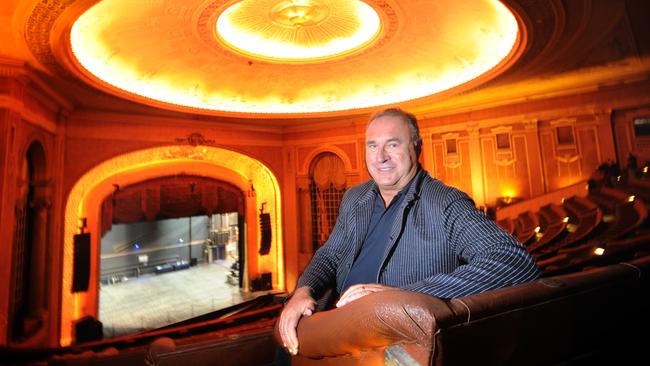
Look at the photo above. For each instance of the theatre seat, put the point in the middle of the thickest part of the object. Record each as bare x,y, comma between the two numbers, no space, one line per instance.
581,318
525,227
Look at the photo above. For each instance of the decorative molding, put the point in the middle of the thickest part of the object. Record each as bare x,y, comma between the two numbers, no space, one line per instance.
504,158
501,129
603,115
195,139
562,122
189,147
566,159
38,28
453,161
531,124
11,68
451,135
473,129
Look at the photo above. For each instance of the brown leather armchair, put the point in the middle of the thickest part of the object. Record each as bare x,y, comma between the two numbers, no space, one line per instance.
590,315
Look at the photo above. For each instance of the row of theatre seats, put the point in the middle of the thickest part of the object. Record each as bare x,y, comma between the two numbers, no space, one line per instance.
607,225
589,307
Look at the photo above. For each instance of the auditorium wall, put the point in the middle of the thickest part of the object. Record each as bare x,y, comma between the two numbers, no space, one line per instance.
31,140
518,148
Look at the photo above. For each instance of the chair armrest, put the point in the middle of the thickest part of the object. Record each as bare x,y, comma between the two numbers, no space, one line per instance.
375,321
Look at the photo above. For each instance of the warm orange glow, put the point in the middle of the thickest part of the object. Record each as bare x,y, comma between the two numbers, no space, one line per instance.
298,30
97,182
599,251
565,219
155,55
508,192
631,199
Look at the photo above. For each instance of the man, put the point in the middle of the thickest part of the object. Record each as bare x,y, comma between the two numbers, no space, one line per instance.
404,229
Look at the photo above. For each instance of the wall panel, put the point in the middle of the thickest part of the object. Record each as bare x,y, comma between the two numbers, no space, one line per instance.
521,179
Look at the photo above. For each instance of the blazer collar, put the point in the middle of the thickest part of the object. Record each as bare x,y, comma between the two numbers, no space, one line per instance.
413,192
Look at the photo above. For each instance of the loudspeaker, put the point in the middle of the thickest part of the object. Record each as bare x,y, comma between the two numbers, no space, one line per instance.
265,226
81,262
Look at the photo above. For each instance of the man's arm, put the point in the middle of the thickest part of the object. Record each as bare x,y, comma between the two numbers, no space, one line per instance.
319,275
494,258
300,304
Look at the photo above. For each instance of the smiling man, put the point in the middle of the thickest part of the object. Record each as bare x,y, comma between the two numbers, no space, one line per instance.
404,229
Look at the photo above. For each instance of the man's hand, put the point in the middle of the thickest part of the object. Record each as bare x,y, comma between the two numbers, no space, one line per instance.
358,291
301,304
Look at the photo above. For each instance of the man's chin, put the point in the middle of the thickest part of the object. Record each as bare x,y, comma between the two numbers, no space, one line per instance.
385,183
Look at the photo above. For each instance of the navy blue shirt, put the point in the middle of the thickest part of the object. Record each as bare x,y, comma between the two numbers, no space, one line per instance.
366,266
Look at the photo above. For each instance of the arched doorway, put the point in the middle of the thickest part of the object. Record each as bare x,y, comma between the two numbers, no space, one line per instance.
249,175
327,184
28,304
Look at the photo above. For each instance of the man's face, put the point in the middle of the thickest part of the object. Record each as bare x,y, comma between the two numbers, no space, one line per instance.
390,153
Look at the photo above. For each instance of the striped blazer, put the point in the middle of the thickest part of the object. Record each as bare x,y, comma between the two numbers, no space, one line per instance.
439,244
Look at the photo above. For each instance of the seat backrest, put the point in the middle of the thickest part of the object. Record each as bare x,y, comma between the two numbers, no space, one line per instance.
551,320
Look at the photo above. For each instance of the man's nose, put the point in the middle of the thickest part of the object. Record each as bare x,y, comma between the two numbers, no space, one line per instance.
382,155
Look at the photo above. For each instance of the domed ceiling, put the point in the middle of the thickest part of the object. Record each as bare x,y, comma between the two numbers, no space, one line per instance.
291,57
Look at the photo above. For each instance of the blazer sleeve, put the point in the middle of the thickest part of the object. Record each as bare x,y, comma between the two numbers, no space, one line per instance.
490,258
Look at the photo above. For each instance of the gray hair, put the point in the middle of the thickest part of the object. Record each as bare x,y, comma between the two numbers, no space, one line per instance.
410,120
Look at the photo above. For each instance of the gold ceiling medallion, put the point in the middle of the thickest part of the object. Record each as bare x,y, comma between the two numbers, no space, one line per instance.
299,14
297,30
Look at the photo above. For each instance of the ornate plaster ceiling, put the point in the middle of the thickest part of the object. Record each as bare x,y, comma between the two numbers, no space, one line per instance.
282,57
297,30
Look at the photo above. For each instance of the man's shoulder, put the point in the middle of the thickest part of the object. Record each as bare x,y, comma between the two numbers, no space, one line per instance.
360,189
439,190
354,195
434,184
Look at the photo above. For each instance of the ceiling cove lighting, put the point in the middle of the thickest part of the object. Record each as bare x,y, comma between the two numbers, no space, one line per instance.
298,57
299,30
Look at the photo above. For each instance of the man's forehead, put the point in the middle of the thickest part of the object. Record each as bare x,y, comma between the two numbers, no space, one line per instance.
387,127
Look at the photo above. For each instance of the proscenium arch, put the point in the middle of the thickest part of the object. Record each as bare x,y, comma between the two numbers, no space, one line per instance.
85,197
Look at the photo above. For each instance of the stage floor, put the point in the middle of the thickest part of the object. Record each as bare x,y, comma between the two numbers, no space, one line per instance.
152,301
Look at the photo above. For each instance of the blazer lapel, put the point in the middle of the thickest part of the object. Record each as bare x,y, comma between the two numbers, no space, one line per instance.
362,214
412,195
